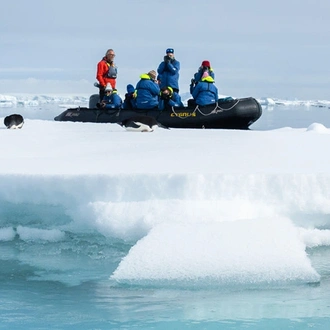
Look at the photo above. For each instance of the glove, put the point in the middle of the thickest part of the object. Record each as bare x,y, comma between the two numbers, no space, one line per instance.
164,97
167,59
100,105
192,81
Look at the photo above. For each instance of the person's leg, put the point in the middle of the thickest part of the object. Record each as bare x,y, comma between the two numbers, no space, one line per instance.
102,93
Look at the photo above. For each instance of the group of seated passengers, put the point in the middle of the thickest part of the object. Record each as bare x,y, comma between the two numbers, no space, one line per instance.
148,95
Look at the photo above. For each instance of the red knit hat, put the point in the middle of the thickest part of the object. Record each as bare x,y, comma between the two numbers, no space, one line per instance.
206,63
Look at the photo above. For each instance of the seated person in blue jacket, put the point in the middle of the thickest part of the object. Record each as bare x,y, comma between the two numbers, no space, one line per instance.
205,92
168,71
168,99
147,91
129,101
111,99
205,67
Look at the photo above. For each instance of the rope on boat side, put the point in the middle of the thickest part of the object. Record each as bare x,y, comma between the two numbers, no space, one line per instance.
216,110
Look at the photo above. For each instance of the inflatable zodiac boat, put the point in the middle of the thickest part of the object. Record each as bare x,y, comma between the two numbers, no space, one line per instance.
226,114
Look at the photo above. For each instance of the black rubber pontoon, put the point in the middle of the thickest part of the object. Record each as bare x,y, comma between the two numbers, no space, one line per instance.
232,114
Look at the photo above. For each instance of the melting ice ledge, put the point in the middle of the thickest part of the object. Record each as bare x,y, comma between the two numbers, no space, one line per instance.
69,100
210,229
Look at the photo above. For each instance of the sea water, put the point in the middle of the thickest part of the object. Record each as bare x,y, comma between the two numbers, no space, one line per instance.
60,268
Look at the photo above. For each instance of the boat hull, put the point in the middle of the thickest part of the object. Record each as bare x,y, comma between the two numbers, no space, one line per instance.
233,114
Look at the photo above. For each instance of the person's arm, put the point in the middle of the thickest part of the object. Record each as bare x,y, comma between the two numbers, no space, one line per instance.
196,91
172,103
173,67
101,69
161,68
154,88
175,101
178,100
192,85
198,76
116,101
216,94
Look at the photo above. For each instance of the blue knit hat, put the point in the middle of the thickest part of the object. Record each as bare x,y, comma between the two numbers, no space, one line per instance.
130,88
170,50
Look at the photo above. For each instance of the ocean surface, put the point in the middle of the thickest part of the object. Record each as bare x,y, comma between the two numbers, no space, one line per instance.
59,272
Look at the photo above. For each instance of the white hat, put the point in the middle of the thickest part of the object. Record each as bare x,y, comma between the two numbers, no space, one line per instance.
108,87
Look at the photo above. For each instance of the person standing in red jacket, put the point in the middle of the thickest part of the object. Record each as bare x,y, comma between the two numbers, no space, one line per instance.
106,71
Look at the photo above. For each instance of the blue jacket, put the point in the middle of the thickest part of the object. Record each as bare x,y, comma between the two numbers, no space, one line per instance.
168,74
205,92
174,101
113,101
198,77
129,101
147,92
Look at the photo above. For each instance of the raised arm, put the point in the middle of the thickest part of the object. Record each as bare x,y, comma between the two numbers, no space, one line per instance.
173,67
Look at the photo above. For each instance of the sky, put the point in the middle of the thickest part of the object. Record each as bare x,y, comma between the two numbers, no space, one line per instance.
244,202
256,48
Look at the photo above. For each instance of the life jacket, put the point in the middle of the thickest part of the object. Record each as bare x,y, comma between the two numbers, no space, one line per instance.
112,71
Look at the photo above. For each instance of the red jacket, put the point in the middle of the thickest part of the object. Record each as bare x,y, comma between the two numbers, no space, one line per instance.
102,73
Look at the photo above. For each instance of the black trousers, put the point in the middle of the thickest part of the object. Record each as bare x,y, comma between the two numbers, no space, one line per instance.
102,93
